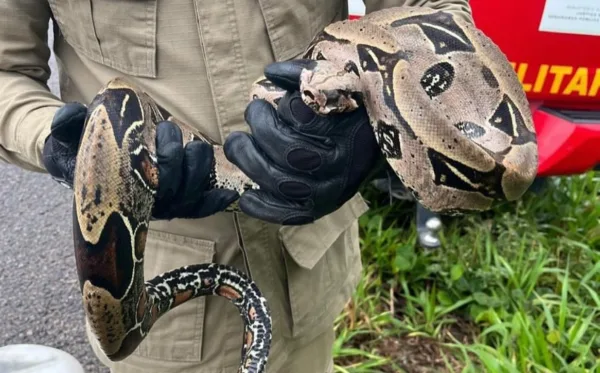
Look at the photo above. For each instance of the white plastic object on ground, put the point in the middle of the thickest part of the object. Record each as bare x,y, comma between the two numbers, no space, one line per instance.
31,358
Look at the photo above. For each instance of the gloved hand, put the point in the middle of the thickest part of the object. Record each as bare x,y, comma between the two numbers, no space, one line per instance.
60,149
183,172
184,176
307,166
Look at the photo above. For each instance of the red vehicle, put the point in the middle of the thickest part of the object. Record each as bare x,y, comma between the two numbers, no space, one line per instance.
554,46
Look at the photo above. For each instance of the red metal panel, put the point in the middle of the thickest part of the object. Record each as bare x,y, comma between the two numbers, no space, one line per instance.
564,147
561,69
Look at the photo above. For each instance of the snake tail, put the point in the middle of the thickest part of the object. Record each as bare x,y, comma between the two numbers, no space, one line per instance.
115,183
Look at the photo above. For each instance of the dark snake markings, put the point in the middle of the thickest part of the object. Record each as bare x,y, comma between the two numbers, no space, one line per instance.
470,130
509,120
389,139
455,134
438,79
489,78
442,30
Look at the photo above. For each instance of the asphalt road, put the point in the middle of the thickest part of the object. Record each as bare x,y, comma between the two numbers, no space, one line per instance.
39,299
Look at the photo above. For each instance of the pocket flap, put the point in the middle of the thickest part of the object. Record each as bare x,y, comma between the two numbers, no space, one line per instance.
306,244
291,25
120,35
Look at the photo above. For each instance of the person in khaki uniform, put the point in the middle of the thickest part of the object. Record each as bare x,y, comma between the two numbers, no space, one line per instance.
198,58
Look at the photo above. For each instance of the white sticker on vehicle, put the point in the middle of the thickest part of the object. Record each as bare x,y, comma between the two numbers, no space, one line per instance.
571,17
356,7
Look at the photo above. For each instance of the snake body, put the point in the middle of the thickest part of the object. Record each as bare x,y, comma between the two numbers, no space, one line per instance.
116,179
447,109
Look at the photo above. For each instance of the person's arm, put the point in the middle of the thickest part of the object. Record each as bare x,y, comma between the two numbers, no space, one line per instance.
26,104
458,7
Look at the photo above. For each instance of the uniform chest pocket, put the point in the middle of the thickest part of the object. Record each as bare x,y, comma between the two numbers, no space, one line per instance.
120,34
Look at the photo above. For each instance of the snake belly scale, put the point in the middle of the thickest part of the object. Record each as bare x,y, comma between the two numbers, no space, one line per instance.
447,110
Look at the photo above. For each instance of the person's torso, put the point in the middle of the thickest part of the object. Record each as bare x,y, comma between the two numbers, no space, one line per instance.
196,58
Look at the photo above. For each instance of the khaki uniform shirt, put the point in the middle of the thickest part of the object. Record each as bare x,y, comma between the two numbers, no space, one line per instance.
197,58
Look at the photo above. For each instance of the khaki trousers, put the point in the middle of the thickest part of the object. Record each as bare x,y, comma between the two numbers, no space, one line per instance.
306,273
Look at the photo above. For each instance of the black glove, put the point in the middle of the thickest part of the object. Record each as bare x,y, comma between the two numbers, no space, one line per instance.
60,149
184,176
183,172
306,165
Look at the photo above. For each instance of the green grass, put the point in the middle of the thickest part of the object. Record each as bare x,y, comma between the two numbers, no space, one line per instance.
515,289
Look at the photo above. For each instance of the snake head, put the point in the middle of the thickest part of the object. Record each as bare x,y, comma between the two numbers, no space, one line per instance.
326,88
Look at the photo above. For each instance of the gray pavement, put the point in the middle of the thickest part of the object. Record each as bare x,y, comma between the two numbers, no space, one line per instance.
39,296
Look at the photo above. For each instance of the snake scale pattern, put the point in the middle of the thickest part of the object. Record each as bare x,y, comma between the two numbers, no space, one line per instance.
448,112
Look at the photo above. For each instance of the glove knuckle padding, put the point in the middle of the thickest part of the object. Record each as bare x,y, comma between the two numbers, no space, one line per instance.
295,189
304,159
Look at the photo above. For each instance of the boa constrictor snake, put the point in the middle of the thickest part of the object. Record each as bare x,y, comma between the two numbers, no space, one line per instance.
448,112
